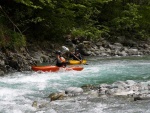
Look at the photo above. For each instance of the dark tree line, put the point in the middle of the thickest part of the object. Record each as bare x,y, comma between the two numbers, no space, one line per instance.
23,20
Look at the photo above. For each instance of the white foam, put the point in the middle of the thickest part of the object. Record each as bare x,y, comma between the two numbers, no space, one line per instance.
98,108
11,94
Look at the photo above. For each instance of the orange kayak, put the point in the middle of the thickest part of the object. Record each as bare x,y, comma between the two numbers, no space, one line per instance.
55,68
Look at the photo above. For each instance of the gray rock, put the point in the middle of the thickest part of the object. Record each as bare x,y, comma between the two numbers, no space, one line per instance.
133,51
2,73
123,53
74,90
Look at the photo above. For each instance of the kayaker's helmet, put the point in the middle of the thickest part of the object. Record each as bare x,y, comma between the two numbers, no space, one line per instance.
58,52
76,50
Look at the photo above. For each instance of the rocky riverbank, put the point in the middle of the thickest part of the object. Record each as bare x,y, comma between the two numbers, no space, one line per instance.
23,58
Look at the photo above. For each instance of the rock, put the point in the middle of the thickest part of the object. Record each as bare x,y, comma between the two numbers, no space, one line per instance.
2,73
123,53
14,64
102,48
102,91
123,93
87,87
44,59
89,52
115,47
74,90
86,42
99,44
2,62
80,46
56,96
50,111
141,98
42,105
130,82
84,52
93,93
133,51
120,84
35,104
118,44
104,54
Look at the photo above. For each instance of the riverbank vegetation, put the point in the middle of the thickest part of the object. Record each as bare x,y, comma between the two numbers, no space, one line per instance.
23,21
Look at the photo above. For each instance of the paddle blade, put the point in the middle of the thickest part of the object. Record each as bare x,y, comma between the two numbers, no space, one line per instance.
65,48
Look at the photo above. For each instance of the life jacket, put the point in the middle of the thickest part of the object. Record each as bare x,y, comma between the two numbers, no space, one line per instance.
62,59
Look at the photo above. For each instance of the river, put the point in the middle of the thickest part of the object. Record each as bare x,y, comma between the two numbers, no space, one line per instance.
19,90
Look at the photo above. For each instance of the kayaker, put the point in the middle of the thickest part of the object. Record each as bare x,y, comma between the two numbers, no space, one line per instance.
60,61
76,55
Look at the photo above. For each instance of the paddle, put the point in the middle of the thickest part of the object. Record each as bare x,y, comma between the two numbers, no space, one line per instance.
67,50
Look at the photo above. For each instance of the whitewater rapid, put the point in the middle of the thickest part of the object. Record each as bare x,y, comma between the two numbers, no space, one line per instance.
19,90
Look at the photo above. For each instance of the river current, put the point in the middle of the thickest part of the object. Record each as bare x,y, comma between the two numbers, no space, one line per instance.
19,90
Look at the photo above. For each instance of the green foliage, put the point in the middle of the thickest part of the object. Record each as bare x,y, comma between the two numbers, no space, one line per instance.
52,19
28,3
57,18
11,39
17,40
144,21
91,32
127,23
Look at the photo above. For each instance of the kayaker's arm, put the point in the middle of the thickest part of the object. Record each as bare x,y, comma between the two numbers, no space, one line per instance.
76,56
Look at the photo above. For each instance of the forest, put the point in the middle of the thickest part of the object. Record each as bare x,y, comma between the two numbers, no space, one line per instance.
23,21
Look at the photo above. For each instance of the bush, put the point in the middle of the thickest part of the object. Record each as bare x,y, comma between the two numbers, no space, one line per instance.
11,39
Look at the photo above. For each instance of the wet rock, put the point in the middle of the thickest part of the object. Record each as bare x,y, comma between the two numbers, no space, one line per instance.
13,63
2,73
39,105
56,96
74,90
123,53
103,91
86,42
130,82
42,105
141,98
35,104
44,59
88,87
99,44
50,111
123,93
3,68
120,84
93,93
129,89
133,51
